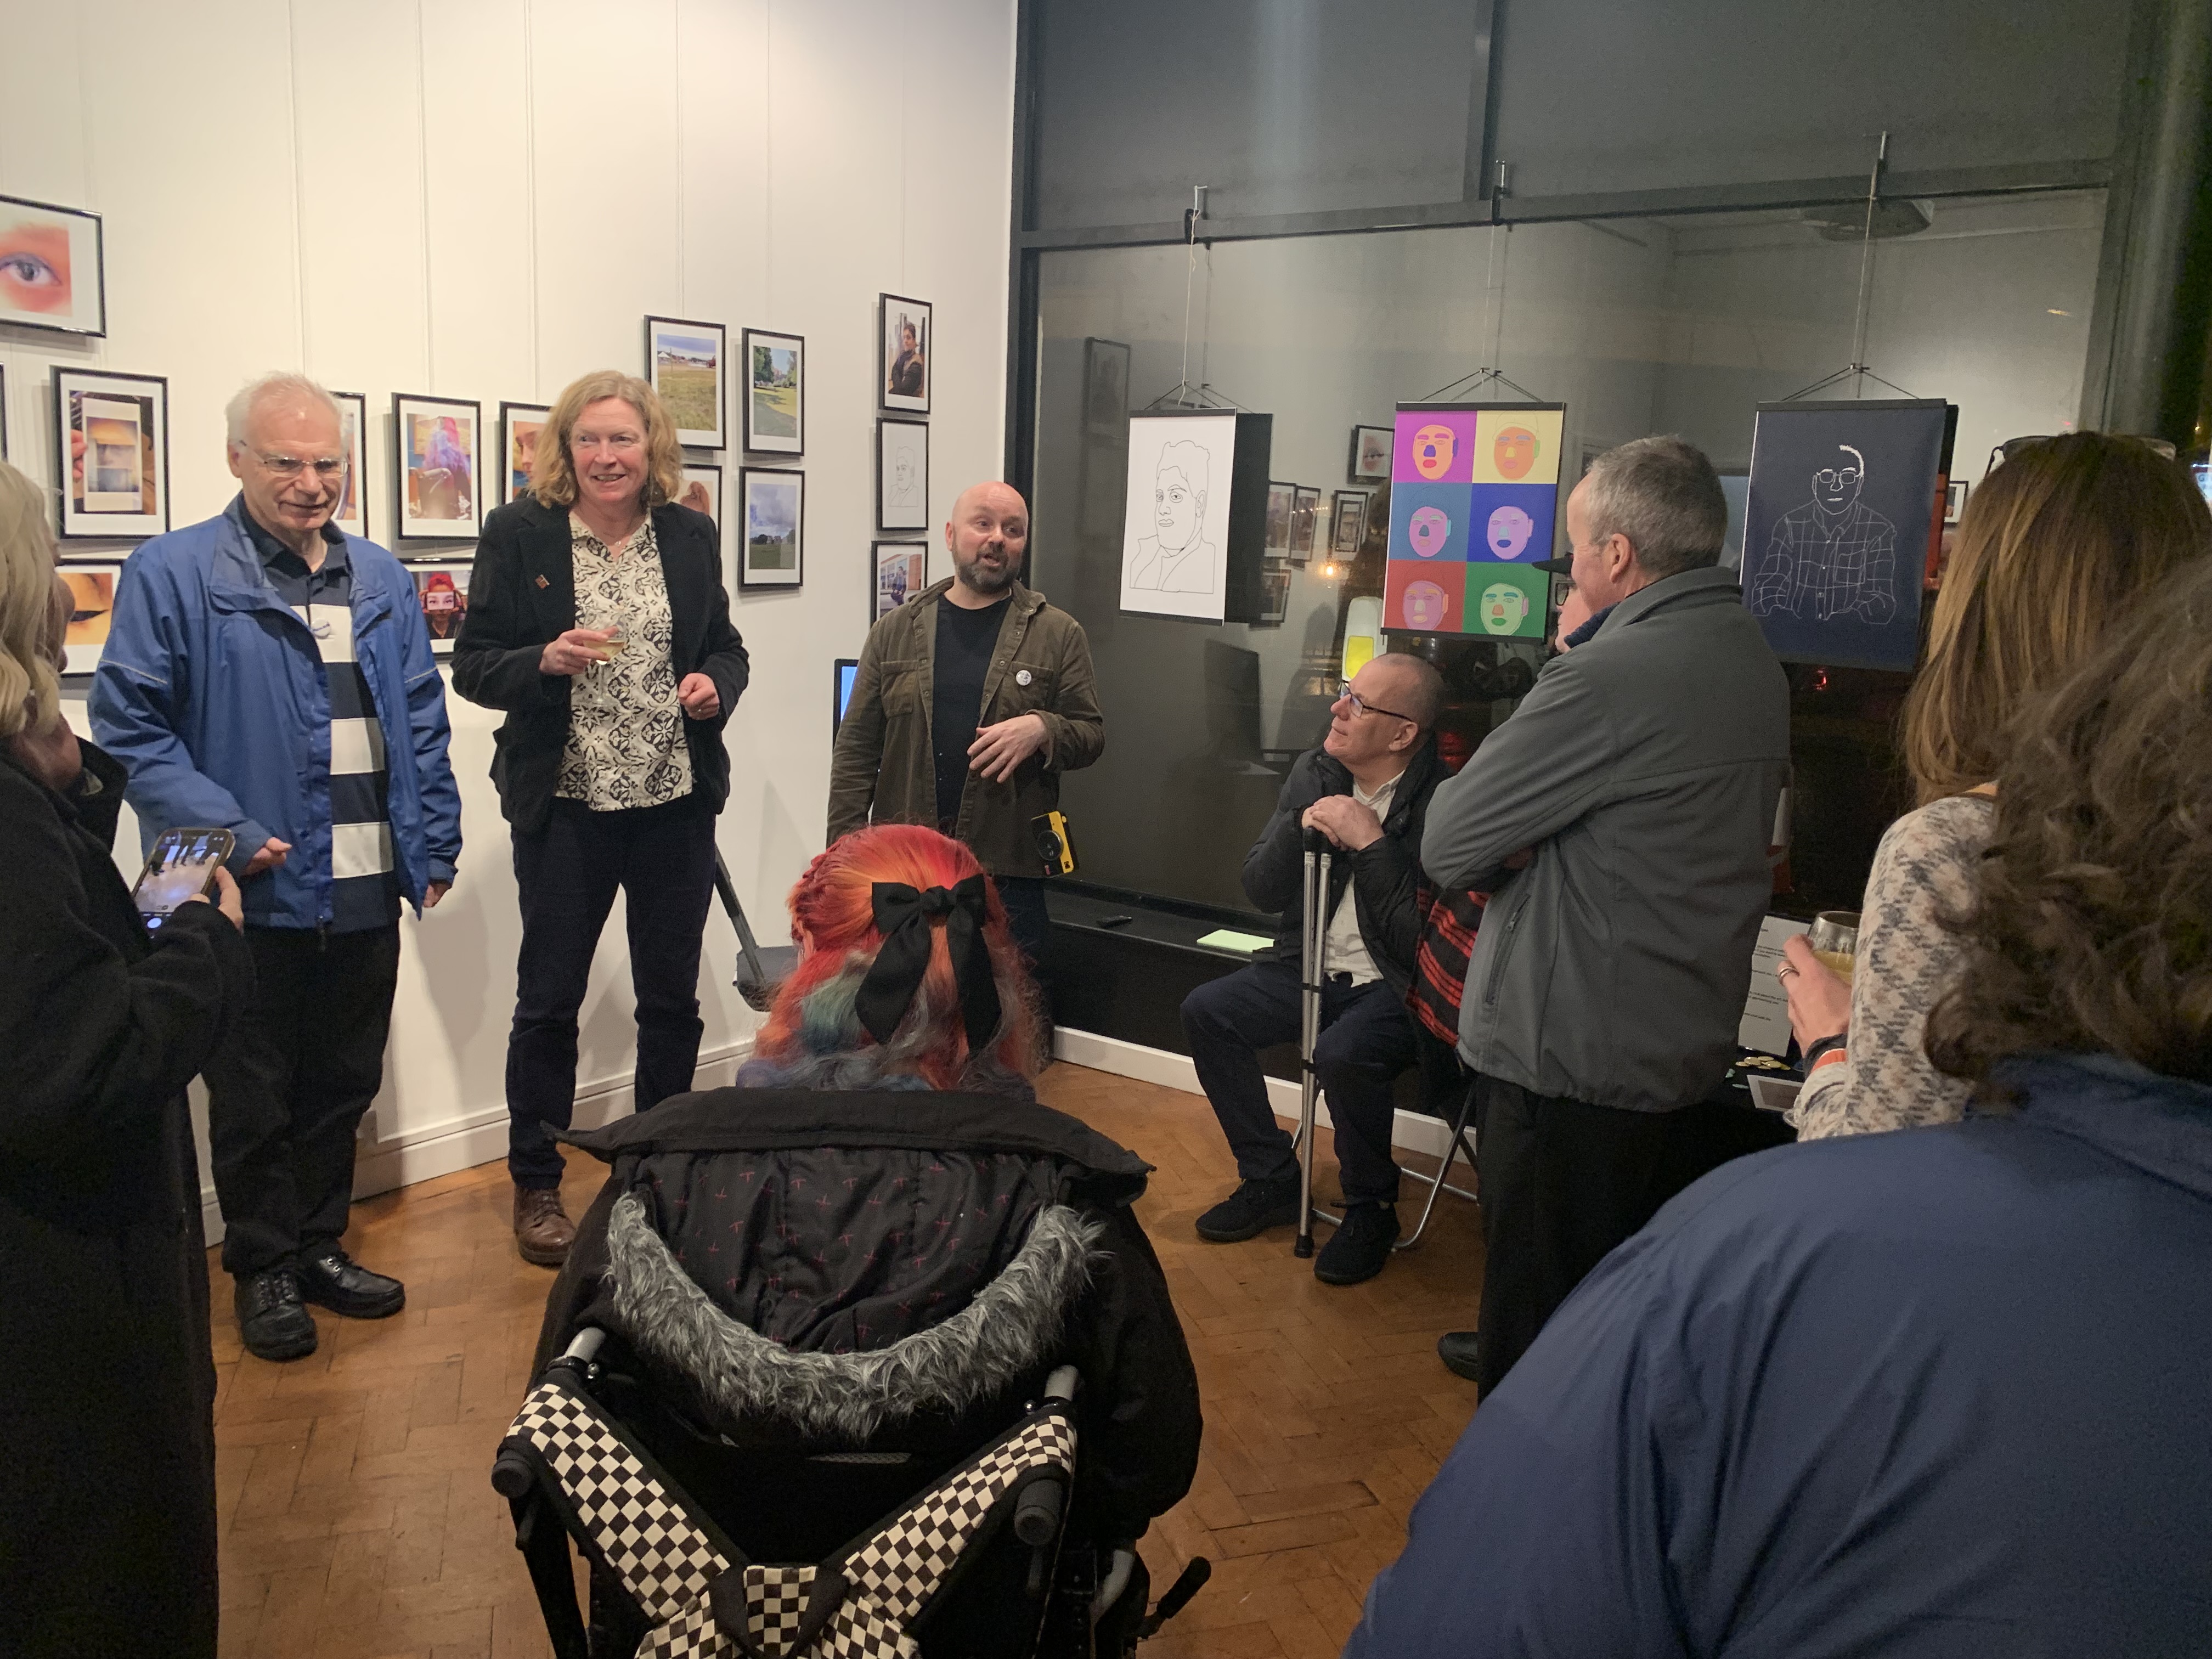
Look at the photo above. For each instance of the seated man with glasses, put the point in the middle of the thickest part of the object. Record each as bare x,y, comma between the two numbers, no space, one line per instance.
1367,789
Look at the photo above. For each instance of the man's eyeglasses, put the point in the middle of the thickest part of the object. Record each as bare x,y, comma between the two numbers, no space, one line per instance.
291,466
1361,706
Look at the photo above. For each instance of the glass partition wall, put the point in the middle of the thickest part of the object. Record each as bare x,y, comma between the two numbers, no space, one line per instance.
1637,324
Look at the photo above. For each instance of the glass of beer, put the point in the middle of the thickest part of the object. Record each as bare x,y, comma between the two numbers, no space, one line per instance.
1835,941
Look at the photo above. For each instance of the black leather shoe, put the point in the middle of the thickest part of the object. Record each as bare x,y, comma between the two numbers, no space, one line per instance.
1462,1352
332,1278
1254,1207
1359,1248
270,1318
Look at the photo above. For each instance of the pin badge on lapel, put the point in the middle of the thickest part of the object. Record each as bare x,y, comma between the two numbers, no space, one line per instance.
1022,677
542,582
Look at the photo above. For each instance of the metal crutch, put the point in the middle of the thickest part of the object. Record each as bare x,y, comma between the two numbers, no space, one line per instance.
1315,928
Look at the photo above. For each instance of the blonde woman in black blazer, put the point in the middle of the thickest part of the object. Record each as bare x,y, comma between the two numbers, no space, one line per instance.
598,622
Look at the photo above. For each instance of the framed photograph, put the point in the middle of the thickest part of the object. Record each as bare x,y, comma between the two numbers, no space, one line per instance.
1370,454
775,523
51,271
684,362
111,452
92,605
1274,593
519,427
3,411
1281,500
901,474
443,592
1347,521
702,490
351,514
775,393
439,452
901,572
1105,387
1305,509
902,353
1955,501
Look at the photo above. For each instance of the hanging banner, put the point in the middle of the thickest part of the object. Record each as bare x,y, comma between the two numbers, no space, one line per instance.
1475,492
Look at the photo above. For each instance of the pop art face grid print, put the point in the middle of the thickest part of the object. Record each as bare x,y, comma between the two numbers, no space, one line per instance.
1474,499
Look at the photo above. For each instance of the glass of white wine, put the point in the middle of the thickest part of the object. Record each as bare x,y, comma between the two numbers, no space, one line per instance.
617,641
1835,941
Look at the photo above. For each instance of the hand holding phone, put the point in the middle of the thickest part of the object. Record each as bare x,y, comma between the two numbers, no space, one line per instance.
184,865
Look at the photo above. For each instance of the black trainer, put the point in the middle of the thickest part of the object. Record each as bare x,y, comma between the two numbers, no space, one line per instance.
1462,1352
1359,1248
270,1319
1254,1207
332,1278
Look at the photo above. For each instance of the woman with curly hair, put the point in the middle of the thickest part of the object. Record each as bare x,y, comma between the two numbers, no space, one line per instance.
2056,546
1945,1393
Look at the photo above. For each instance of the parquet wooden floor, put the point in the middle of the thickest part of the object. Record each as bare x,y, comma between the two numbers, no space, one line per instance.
357,1515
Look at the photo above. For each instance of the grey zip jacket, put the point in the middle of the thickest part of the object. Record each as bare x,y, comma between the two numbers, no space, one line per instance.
1644,770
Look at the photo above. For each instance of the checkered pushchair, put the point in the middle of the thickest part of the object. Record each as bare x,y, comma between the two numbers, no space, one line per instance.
850,1375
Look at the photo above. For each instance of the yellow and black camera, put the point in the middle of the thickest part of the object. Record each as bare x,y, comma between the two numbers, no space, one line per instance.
1054,844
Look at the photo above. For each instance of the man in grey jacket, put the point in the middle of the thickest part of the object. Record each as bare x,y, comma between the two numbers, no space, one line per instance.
1621,820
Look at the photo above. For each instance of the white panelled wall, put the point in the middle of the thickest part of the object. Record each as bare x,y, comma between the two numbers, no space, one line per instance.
482,200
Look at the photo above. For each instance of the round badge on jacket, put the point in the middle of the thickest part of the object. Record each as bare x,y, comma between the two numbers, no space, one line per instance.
1022,677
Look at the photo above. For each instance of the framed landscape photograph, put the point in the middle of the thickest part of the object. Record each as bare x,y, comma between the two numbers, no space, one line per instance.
438,454
443,593
111,452
901,474
702,490
684,362
775,393
51,274
351,514
903,348
1347,521
1305,509
773,555
92,606
901,572
1370,454
519,427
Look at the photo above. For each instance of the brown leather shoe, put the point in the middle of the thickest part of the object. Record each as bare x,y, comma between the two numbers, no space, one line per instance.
543,1231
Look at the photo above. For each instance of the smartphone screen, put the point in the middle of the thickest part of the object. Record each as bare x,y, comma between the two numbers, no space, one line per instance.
182,864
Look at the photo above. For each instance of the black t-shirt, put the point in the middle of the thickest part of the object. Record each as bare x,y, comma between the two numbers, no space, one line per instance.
965,641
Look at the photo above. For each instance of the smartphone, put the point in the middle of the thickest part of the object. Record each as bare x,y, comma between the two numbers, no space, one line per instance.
181,866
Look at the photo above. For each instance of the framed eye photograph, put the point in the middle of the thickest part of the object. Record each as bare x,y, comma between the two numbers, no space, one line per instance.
903,351
50,268
519,427
774,554
902,474
685,360
438,466
92,606
351,514
1370,454
775,393
111,452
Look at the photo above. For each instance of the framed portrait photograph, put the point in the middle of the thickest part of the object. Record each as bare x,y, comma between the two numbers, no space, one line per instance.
901,572
684,362
902,348
1370,454
50,268
775,393
351,514
1347,521
111,452
1105,387
1305,509
438,463
92,606
443,592
773,555
519,427
702,490
1280,499
901,474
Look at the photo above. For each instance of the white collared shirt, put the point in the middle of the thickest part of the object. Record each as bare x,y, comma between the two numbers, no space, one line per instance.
1342,949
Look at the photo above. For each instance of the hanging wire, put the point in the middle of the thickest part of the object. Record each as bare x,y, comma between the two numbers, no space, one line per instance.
1471,383
1857,371
1182,394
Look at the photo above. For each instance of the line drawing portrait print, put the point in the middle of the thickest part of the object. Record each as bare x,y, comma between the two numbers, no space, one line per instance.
903,488
1833,557
1176,557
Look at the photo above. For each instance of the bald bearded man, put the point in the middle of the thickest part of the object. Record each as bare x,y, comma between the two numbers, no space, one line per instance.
971,699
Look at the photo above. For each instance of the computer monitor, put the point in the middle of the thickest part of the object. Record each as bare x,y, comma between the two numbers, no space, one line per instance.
848,669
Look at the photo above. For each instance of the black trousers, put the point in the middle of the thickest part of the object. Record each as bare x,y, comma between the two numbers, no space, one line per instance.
1367,1038
287,1093
1564,1181
662,857
1031,924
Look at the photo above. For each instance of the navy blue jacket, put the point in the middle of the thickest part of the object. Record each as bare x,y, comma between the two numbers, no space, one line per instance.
1941,1391
212,694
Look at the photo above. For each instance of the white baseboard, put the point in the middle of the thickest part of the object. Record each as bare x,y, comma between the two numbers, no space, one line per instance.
441,1150
1413,1130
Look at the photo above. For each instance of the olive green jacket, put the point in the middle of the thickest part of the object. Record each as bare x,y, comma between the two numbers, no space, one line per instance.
884,770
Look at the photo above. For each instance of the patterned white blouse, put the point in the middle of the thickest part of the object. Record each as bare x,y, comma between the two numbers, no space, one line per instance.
626,746
1927,867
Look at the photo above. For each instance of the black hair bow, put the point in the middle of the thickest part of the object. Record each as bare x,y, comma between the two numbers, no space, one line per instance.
902,917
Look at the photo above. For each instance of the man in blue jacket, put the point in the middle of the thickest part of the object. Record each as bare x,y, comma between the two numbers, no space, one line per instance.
270,675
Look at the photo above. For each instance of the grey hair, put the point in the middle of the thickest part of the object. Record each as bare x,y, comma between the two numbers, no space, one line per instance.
279,383
1423,696
1663,494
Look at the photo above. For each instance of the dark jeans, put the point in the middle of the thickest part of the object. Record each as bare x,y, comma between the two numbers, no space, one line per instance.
1564,1181
287,1092
663,860
1367,1038
1031,926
